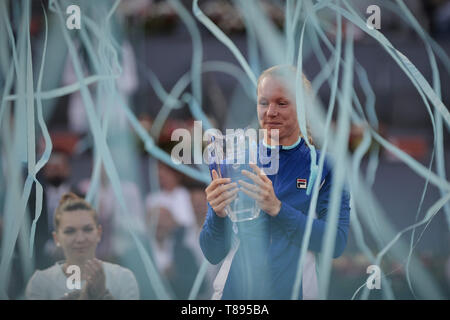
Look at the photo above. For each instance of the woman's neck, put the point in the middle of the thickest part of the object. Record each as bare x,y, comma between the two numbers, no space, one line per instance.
289,141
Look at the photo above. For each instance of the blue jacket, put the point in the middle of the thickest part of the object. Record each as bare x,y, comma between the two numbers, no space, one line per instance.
265,264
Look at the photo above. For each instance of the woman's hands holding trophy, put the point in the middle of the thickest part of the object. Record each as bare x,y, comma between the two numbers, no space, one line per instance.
220,193
262,191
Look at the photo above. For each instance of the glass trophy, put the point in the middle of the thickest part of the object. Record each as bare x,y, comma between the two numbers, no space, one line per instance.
230,165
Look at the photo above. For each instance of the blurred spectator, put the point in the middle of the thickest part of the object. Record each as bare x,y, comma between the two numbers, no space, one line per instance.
55,182
135,215
177,200
175,261
78,232
199,204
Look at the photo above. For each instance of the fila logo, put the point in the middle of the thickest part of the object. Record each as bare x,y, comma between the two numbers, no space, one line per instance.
301,183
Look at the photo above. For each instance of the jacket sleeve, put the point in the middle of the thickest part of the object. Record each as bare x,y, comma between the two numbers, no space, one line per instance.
215,237
294,220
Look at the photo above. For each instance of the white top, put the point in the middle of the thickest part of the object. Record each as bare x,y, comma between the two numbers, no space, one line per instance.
163,253
177,201
50,284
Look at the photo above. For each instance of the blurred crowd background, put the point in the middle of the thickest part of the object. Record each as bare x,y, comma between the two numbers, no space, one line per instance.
153,40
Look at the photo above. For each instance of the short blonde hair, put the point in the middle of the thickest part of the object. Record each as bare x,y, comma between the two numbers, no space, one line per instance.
284,71
71,202
289,72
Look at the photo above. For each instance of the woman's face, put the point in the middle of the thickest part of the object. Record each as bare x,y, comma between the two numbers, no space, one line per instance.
78,235
277,110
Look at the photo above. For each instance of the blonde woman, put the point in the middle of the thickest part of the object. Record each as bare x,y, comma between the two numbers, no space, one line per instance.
77,233
264,263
